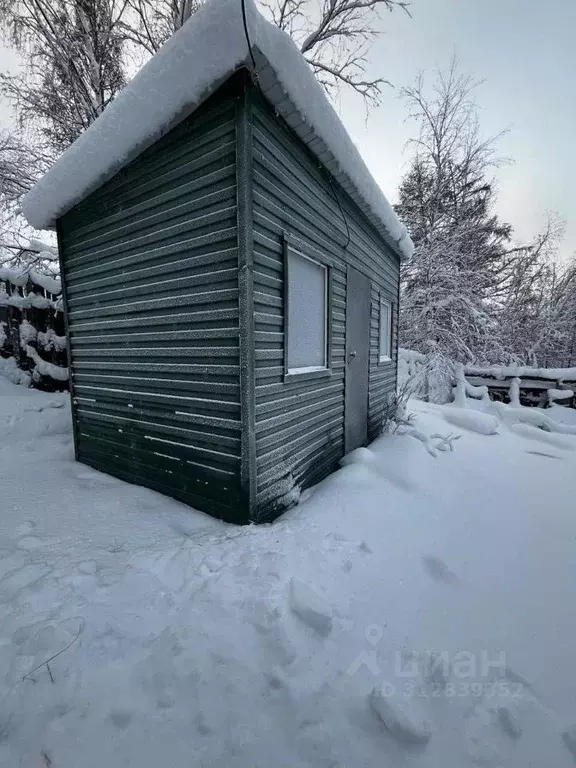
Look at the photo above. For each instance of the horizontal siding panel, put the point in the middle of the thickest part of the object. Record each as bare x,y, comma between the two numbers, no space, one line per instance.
161,383
191,436
133,471
201,224
307,413
154,171
202,318
192,265
309,189
280,454
131,352
165,287
300,423
151,270
198,453
118,412
307,452
190,299
133,336
190,200
200,369
175,468
139,398
286,398
210,242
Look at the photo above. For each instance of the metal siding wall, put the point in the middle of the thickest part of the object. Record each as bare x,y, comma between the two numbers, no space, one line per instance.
151,268
299,424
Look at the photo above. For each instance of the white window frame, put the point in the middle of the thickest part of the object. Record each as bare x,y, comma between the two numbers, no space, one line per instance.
385,307
309,369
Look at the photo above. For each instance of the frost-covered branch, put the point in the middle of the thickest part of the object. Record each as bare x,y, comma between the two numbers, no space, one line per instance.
73,52
334,36
470,292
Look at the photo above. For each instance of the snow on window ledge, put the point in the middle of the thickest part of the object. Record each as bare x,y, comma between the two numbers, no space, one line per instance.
307,369
385,359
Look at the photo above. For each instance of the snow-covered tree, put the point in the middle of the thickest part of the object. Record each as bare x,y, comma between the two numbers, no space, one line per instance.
72,51
532,300
462,248
73,64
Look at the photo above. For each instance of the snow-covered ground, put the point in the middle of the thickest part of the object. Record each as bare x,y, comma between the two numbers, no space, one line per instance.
435,593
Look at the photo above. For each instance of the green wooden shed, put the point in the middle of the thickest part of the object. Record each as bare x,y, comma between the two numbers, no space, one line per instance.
230,273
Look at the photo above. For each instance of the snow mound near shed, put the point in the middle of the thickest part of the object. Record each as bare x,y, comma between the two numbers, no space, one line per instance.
401,716
309,607
474,421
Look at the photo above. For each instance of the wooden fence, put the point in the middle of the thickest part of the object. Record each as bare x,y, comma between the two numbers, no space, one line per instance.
517,385
525,386
32,329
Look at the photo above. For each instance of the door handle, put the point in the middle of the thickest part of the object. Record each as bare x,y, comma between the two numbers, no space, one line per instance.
352,354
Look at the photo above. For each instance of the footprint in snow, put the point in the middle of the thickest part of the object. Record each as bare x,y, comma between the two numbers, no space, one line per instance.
309,607
87,567
23,578
120,718
30,543
437,568
52,404
25,528
88,478
10,560
546,455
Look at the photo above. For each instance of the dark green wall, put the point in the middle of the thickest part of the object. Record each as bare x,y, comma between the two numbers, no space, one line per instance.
173,274
300,423
151,274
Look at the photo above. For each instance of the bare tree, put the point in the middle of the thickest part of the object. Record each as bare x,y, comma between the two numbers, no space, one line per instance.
152,22
74,67
73,56
538,308
20,166
333,35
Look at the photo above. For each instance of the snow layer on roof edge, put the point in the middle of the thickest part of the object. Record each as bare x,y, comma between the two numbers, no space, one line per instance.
213,39
308,96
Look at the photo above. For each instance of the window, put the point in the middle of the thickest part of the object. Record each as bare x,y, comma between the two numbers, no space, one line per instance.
306,315
385,331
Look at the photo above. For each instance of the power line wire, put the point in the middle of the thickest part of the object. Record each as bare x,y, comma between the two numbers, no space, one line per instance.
344,219
245,22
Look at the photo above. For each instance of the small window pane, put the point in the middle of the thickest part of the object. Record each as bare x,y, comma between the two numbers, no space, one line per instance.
385,329
306,313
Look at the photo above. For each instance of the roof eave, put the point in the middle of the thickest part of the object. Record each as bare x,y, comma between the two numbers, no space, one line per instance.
274,92
184,113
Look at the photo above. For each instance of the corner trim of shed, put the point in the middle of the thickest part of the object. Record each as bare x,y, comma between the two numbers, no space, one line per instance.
244,170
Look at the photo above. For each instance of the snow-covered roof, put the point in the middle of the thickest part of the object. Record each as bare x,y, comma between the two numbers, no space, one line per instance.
196,60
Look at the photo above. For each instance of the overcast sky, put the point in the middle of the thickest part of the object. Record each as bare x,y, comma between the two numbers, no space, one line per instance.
526,54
